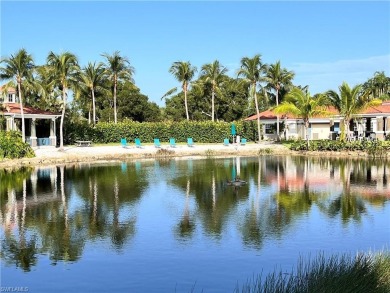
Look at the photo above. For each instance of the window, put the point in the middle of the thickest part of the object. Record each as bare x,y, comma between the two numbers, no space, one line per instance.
269,129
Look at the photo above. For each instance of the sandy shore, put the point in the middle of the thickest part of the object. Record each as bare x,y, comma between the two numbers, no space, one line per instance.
71,154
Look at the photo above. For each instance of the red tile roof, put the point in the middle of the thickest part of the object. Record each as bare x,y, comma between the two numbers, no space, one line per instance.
384,108
269,114
14,108
10,90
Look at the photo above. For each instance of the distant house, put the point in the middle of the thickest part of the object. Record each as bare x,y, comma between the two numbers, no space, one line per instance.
374,122
40,125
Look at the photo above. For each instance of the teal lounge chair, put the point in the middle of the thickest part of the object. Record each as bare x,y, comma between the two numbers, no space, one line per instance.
138,143
226,142
172,143
157,143
243,141
190,142
124,142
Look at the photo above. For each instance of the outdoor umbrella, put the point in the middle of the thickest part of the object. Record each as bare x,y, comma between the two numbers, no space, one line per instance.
233,130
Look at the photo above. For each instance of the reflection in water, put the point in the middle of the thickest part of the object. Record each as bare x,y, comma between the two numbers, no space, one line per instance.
186,225
58,211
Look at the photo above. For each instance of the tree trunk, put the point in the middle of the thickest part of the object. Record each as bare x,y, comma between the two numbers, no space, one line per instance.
62,118
346,128
212,106
21,110
185,99
93,107
306,134
115,83
258,113
277,115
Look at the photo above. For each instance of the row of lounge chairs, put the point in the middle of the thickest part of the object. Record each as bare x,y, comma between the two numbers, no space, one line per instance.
157,144
172,142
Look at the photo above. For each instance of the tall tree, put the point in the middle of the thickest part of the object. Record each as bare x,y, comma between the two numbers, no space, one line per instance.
183,72
378,85
65,71
19,67
213,73
48,93
92,76
276,78
118,68
349,102
251,70
301,104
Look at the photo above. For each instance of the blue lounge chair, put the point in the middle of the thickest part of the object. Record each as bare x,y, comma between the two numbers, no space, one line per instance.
226,142
138,143
190,142
124,142
172,143
157,143
243,141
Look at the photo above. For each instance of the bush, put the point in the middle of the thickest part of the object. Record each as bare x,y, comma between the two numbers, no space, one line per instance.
12,146
201,132
337,273
372,148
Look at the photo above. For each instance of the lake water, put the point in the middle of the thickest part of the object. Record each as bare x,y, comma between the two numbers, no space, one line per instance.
185,225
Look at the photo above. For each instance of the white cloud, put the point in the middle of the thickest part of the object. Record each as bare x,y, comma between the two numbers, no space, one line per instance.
330,75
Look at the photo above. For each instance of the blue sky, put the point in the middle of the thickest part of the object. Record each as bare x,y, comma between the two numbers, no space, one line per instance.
324,43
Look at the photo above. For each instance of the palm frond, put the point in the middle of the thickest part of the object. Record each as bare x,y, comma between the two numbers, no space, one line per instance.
170,92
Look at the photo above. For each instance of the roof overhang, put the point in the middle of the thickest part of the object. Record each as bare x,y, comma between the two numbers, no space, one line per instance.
32,116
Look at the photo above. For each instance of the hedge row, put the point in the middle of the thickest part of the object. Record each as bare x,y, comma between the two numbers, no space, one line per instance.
371,147
201,132
12,146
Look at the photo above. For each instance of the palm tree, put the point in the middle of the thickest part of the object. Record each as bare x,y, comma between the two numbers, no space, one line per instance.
65,70
18,66
351,101
92,77
213,73
379,85
251,70
301,104
47,97
277,78
118,68
183,72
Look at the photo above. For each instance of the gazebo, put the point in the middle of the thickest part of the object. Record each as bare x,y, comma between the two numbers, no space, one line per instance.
45,137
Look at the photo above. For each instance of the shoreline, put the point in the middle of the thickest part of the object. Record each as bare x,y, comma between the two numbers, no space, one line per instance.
72,154
45,156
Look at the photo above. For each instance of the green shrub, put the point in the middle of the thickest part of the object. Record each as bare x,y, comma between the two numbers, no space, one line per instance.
337,273
12,146
372,148
201,132
266,151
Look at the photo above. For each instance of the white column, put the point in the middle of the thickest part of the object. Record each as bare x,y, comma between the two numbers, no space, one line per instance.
10,124
53,137
33,137
379,128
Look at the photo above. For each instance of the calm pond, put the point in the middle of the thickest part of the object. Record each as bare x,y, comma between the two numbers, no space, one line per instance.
183,225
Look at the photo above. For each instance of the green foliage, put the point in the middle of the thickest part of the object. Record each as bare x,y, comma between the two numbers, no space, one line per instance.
210,153
337,273
266,151
165,153
12,146
202,132
373,148
378,149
